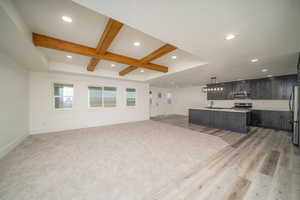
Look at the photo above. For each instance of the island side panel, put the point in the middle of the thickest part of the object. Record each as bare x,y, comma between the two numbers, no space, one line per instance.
200,117
234,121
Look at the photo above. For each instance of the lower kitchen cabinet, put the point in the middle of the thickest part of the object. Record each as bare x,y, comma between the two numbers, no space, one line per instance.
272,119
234,121
202,117
239,122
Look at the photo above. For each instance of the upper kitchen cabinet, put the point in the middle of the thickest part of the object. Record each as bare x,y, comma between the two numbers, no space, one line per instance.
282,86
265,88
273,88
241,89
227,91
261,88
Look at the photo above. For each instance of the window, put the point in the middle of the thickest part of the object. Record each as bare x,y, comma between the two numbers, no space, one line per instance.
159,95
63,95
95,96
150,97
169,98
110,96
130,96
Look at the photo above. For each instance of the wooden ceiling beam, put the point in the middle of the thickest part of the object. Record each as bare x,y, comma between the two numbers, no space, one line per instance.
53,43
110,32
167,48
127,70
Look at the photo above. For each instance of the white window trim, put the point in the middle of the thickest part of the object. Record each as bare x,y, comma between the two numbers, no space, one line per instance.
53,96
116,97
98,107
101,107
126,97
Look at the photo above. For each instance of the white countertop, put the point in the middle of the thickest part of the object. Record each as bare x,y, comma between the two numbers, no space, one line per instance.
223,109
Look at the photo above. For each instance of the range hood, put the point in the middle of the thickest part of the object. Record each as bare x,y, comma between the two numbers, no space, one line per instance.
241,95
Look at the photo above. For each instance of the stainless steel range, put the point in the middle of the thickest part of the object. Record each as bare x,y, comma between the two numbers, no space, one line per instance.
242,105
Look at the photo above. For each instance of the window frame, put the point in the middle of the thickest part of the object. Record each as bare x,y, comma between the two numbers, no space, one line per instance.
102,99
167,98
103,102
53,95
135,98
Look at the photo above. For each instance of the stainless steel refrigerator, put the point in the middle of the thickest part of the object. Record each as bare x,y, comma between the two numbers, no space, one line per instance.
294,104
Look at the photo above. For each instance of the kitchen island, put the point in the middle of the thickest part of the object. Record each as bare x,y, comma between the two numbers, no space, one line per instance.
237,120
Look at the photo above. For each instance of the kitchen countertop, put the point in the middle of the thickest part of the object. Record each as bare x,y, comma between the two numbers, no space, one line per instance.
222,109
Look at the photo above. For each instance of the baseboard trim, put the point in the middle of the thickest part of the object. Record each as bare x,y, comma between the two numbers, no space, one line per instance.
6,149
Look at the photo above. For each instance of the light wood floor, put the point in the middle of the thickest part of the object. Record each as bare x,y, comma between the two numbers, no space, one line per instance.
261,165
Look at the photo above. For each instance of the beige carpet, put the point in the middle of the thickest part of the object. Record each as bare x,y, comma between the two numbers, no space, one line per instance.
127,161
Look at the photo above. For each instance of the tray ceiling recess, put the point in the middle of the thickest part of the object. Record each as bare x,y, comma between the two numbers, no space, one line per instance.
100,52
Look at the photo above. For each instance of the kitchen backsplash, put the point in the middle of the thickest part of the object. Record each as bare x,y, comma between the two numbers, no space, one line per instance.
281,105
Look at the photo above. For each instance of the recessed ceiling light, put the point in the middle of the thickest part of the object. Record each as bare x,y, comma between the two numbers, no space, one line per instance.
113,65
269,75
137,44
70,57
264,70
174,57
67,19
230,36
254,60
142,70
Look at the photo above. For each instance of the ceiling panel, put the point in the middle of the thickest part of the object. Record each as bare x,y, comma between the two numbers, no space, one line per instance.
183,60
61,56
124,43
44,16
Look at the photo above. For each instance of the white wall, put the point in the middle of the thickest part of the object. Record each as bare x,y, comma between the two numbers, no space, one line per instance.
44,118
193,96
13,104
184,98
160,106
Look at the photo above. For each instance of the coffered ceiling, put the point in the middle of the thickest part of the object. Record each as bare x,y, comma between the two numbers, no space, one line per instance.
44,17
264,29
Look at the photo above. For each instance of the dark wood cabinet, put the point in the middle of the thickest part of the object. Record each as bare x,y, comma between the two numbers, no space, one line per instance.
239,122
261,89
282,86
286,88
205,120
272,119
239,87
227,91
234,121
277,88
266,88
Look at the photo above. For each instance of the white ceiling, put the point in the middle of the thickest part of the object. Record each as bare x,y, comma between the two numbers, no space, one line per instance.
44,16
15,39
281,65
266,29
